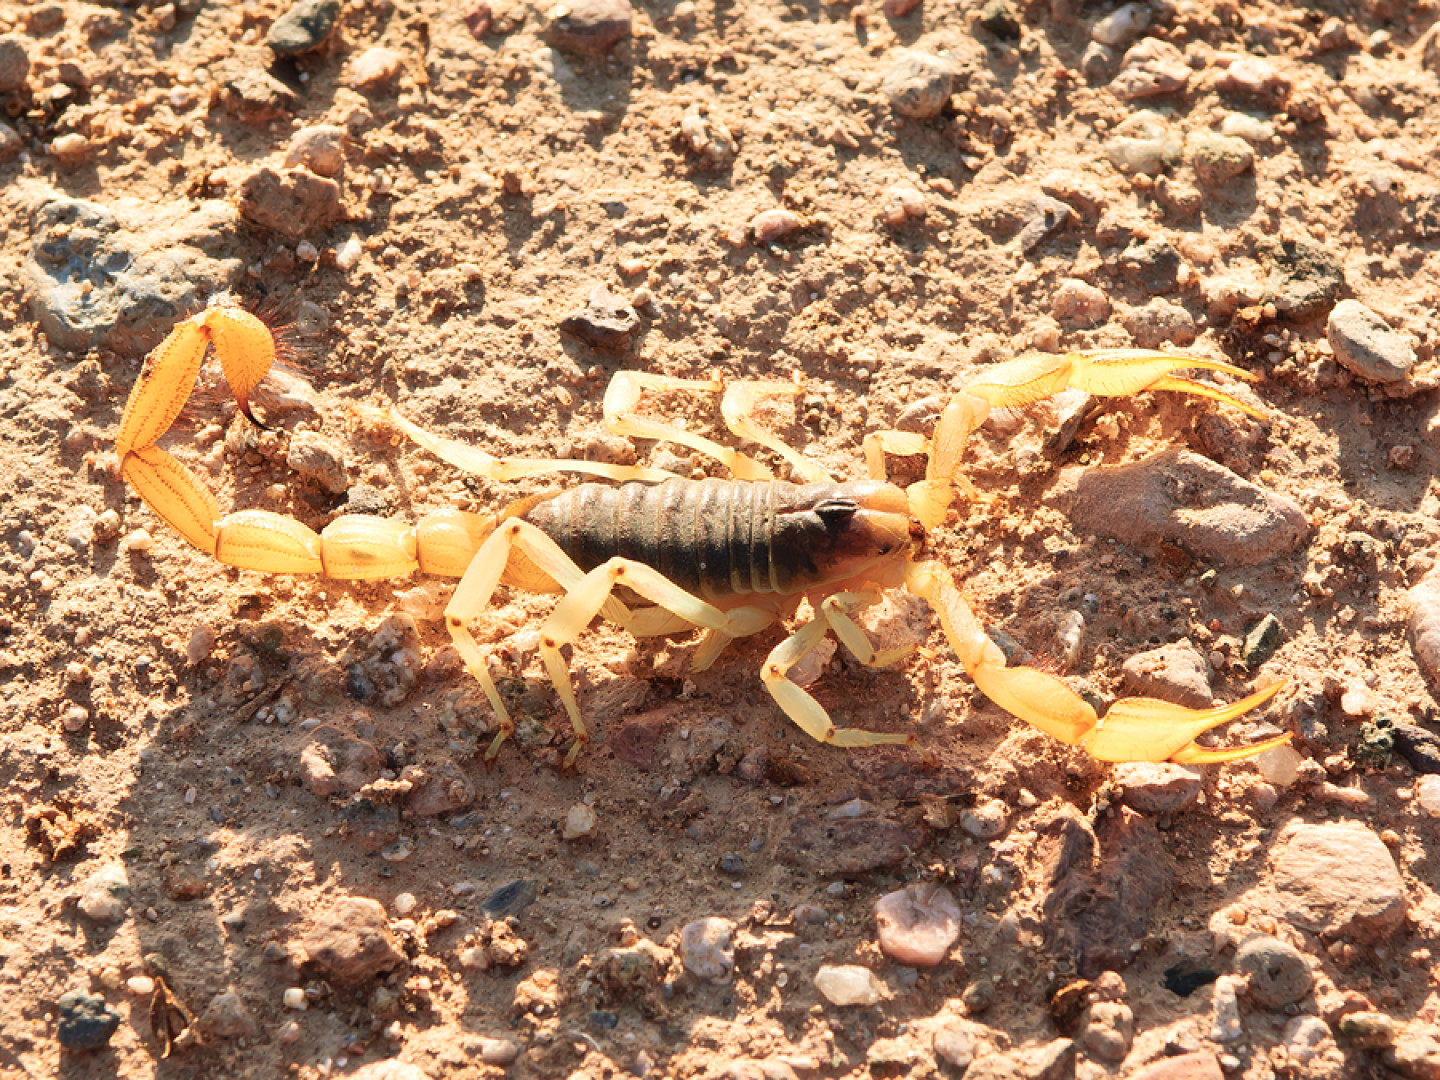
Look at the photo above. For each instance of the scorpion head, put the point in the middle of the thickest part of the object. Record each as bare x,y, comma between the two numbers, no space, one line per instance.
858,531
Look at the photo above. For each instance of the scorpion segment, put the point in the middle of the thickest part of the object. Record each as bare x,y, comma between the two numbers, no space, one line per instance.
1134,729
351,546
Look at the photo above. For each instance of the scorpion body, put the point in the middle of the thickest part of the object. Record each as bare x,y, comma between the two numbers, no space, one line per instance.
729,557
729,539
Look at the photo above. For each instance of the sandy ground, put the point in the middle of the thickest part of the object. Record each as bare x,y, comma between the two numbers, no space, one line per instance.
156,707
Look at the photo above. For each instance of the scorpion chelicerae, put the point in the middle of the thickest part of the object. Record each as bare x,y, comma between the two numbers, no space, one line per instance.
730,557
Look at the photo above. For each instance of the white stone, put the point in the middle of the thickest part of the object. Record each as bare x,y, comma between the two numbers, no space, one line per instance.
1427,793
579,822
849,984
103,898
1280,766
707,949
918,924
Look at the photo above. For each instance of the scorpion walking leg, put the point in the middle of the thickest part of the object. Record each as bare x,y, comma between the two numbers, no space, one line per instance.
474,460
476,587
798,703
585,599
1134,729
623,395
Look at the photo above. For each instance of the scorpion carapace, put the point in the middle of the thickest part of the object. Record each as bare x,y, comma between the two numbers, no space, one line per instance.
729,557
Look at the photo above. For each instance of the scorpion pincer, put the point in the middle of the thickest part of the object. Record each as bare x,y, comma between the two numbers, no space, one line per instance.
729,557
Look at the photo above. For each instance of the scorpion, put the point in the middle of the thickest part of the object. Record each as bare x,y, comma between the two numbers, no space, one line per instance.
729,557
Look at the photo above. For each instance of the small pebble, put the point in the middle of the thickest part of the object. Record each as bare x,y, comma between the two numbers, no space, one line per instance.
1226,1027
987,819
849,984
579,822
1280,766
589,27
1365,344
918,84
1122,26
86,1021
316,459
918,924
770,226
1306,1038
201,644
138,541
1150,68
14,63
140,985
374,68
103,897
294,998
1279,973
306,26
1427,794
707,949
71,148
405,903
75,718
319,148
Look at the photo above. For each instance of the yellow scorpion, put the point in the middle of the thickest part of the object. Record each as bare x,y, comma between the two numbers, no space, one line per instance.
730,557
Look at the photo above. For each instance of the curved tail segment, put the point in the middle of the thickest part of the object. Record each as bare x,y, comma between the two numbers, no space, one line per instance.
352,546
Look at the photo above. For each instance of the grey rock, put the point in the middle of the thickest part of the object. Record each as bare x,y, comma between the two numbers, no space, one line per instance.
848,845
1305,279
918,84
439,789
606,321
14,63
1338,879
1045,218
1154,263
120,277
1365,344
1160,322
86,1021
1156,788
291,203
1150,68
1279,973
589,27
1419,746
707,949
1179,497
1367,1029
510,899
1218,159
957,1043
256,98
306,26
319,148
1175,672
105,894
337,763
316,459
228,1017
1109,1027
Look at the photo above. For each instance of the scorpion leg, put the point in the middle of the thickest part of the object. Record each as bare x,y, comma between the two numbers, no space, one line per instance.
472,459
623,395
797,703
585,599
472,596
738,407
1134,729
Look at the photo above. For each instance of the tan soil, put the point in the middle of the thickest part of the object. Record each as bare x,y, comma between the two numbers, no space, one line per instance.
490,197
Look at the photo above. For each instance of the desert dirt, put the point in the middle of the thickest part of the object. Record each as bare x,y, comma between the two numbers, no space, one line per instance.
491,182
